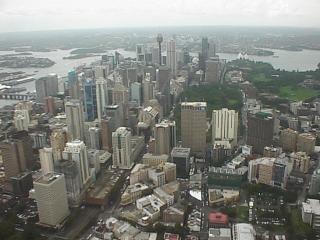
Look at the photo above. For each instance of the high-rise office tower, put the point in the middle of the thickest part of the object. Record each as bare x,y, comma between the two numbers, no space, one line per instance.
46,86
46,160
121,144
163,84
95,138
39,139
90,99
162,138
21,120
120,94
288,140
155,55
115,112
132,75
225,125
172,57
51,197
260,131
106,134
136,93
58,140
77,151
163,79
75,119
50,106
204,55
147,89
165,137
140,51
159,41
213,70
101,71
73,181
102,96
73,85
306,143
181,157
17,154
194,126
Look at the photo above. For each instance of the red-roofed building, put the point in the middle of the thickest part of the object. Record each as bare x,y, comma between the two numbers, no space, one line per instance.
217,219
171,236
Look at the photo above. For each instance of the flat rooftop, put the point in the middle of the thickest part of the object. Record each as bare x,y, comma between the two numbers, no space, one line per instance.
48,178
194,104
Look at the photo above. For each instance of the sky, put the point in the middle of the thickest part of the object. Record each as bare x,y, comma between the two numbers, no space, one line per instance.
29,15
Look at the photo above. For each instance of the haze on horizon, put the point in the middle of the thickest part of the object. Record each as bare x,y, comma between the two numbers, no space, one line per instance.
33,15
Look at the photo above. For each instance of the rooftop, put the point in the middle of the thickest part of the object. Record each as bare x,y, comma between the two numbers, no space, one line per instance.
48,178
180,152
194,104
218,218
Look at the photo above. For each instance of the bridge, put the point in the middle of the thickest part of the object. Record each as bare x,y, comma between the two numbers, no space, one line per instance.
17,96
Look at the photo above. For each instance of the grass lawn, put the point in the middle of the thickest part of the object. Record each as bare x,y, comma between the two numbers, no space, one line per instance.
261,77
297,225
297,93
242,213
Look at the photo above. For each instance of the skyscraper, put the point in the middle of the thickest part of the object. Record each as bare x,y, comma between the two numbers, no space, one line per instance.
181,157
225,125
58,141
102,97
260,131
162,138
73,181
204,53
73,85
172,57
165,137
160,40
17,154
106,134
90,99
77,151
51,197
194,126
21,120
95,138
46,160
46,86
213,70
140,51
75,119
136,92
147,88
121,144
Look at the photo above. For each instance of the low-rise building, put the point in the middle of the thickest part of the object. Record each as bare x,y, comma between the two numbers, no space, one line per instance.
173,215
218,197
219,234
243,231
151,207
226,177
218,220
306,143
154,160
310,212
301,161
133,192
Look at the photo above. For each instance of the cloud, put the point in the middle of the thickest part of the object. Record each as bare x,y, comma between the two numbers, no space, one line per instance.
53,14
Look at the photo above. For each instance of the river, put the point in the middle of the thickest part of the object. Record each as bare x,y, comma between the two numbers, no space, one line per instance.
287,60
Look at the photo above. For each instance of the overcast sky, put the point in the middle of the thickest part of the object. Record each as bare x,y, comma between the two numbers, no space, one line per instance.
17,15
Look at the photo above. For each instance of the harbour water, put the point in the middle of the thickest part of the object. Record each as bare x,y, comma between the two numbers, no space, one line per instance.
288,60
